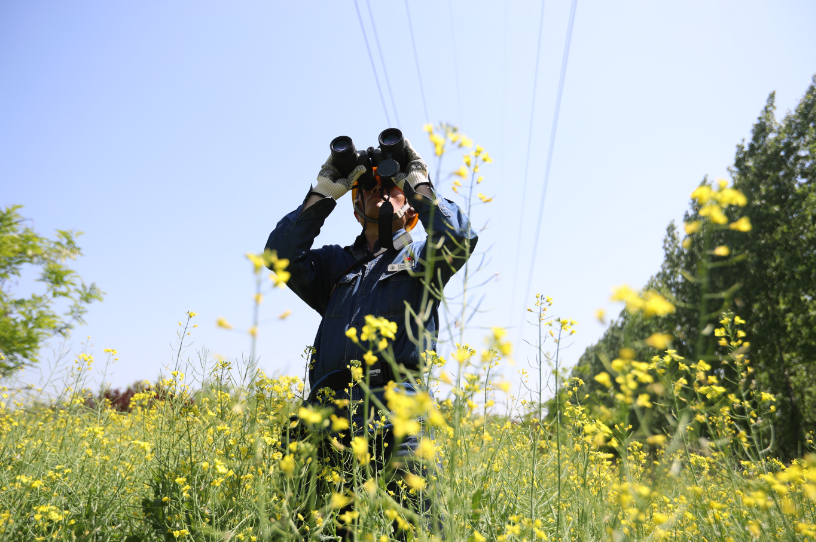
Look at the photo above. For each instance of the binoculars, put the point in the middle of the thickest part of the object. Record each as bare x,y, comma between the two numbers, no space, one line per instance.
389,157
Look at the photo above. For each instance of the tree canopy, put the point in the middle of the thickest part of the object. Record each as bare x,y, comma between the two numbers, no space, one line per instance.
769,279
28,320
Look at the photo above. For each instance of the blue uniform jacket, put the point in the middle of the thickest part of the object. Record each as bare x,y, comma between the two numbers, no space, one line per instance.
368,289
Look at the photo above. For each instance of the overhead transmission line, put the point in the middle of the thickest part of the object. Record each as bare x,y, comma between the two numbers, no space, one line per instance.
382,59
416,59
371,58
529,146
561,78
455,62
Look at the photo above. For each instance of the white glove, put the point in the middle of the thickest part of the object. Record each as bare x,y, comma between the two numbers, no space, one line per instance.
331,185
416,172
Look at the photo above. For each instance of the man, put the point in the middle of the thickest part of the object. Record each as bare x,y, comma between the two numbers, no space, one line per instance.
345,284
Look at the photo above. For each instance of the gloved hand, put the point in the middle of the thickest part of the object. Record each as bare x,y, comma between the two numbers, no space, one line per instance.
331,184
416,172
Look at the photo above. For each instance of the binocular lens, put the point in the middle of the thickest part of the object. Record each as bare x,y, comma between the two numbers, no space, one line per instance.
340,144
344,155
390,137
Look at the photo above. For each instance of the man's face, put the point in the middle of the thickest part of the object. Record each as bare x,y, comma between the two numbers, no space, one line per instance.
372,200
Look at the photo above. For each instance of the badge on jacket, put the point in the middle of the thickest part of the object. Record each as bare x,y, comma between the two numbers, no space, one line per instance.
409,263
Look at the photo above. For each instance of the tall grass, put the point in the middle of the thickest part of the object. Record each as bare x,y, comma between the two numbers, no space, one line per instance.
217,450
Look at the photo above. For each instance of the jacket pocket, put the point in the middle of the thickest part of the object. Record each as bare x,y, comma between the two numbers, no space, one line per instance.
342,294
397,288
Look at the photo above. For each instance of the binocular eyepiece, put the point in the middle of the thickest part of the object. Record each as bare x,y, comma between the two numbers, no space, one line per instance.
389,157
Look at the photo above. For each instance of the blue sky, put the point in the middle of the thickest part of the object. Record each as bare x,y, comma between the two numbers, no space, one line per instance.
177,134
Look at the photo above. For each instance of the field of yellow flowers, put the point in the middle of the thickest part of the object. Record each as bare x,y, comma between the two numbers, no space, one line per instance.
217,450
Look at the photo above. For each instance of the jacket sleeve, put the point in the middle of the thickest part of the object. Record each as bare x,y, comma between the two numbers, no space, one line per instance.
311,270
448,228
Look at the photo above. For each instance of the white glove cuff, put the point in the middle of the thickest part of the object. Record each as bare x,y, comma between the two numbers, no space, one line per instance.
416,177
329,189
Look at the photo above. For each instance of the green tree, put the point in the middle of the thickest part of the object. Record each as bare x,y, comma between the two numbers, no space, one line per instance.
28,321
770,277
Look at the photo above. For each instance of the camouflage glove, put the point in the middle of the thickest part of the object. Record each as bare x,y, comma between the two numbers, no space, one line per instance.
416,172
330,182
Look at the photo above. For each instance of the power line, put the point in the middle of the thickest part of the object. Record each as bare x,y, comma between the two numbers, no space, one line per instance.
561,79
371,58
504,92
455,63
529,146
416,59
382,59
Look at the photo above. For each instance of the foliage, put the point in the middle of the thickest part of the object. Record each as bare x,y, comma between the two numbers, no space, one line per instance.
27,321
220,451
218,461
768,275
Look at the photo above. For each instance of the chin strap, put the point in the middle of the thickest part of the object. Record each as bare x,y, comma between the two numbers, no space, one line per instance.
395,216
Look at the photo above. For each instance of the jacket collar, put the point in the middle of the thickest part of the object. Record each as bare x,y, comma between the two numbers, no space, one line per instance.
360,247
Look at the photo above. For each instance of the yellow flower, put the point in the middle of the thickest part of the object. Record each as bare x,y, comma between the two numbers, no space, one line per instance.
604,379
657,305
351,333
600,315
743,224
370,358
403,427
190,314
479,150
349,516
659,340
428,128
359,446
414,481
465,141
714,212
467,160
309,415
253,331
626,294
486,158
659,519
692,227
643,400
280,278
658,440
722,250
484,198
426,449
702,194
730,196
257,261
339,500
287,465
461,172
339,424
222,322
479,179
285,314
